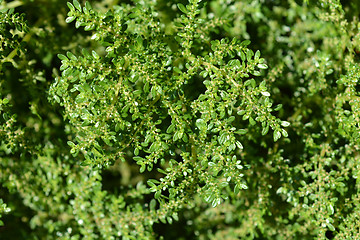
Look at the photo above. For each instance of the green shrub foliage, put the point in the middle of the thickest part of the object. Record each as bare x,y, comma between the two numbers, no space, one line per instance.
152,119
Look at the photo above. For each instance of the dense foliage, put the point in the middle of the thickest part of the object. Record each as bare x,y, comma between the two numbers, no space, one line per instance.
151,119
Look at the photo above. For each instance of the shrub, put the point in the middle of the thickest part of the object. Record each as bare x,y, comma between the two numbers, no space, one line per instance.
160,119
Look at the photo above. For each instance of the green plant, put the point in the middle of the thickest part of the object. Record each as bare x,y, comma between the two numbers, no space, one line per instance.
165,122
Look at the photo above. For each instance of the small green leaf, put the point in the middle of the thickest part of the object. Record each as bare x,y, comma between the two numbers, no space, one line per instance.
222,138
171,128
249,54
245,43
107,141
257,73
278,107
152,204
161,171
185,137
178,135
284,133
155,146
242,56
262,66
96,153
239,145
138,159
223,184
277,135
241,112
5,101
182,8
71,144
139,41
241,131
162,219
257,54
236,189
71,56
95,55
216,202
331,227
231,147
285,124
150,183
157,194
252,121
329,71
262,86
70,19
78,23
200,123
87,7
266,94
230,119
70,6
245,117
204,74
331,209
117,127
176,69
265,130
85,163
77,5
62,57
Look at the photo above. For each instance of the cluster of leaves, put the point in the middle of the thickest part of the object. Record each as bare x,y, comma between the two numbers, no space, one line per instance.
164,122
314,175
3,209
137,98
